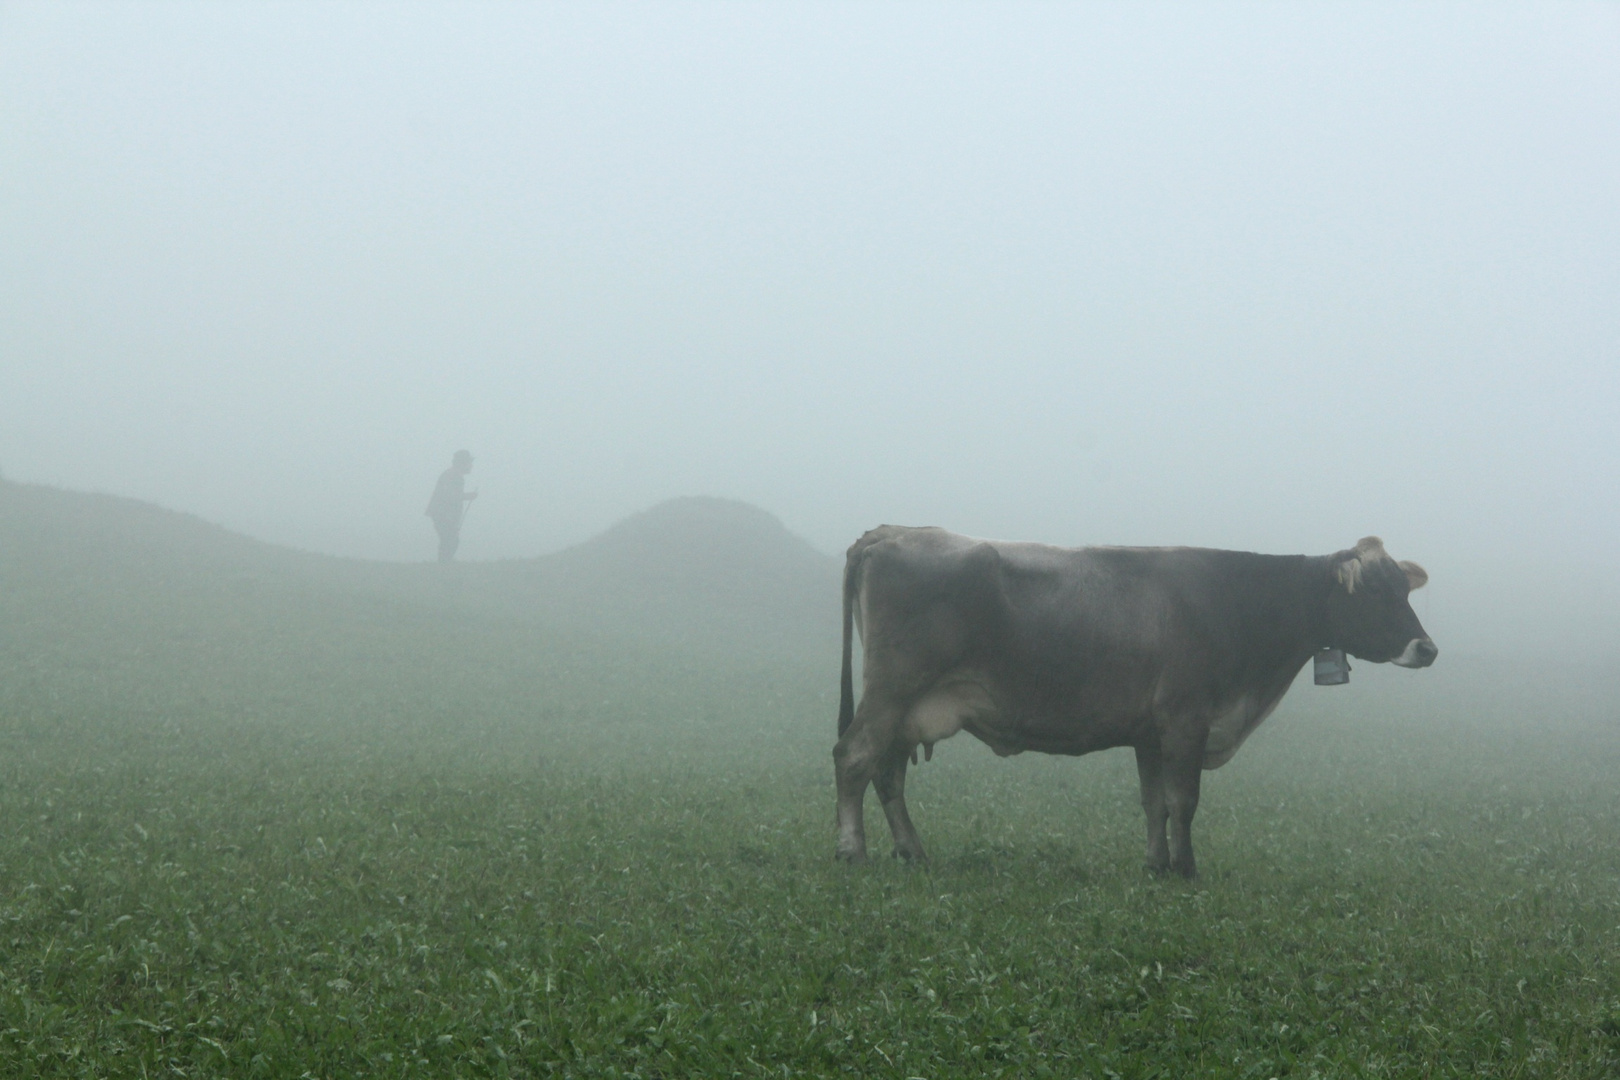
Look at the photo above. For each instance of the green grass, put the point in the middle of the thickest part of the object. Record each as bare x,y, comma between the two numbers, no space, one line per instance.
622,893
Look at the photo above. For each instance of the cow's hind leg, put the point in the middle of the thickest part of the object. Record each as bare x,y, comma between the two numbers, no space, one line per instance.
1150,771
891,788
1183,773
859,757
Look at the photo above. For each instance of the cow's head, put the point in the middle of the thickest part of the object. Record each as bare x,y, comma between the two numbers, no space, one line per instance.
1368,614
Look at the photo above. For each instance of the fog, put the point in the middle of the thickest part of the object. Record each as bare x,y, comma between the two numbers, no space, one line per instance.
1259,277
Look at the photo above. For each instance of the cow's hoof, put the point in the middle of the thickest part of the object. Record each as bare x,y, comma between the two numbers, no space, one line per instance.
916,858
1156,869
851,857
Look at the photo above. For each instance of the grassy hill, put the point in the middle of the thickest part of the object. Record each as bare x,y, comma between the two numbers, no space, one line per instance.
113,605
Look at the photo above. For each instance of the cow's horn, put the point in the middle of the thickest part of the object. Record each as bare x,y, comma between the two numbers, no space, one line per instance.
1350,574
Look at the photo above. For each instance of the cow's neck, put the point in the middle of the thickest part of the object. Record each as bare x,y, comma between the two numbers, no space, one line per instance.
1318,585
1284,617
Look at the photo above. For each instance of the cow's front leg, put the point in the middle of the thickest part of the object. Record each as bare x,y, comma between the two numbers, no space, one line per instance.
1183,772
1150,771
891,788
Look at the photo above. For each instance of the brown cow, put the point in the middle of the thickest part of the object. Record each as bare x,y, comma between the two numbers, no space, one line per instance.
1176,652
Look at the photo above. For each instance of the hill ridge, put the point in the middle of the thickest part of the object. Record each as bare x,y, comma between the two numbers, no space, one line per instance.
666,511
97,587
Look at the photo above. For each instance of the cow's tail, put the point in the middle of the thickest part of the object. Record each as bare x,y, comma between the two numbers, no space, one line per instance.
846,679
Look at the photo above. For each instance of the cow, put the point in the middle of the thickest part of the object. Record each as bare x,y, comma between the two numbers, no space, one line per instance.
1176,652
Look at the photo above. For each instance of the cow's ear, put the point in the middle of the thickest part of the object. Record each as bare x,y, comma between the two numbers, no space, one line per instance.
1350,574
1416,576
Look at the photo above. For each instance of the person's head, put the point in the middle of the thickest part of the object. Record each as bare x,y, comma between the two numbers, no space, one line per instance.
462,462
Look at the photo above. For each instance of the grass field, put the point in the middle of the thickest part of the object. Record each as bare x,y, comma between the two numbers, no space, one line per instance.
596,895
408,846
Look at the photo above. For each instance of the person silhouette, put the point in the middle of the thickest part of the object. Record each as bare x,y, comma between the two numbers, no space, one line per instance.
448,504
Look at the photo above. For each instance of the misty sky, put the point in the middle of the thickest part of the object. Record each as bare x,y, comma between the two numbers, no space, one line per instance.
1267,277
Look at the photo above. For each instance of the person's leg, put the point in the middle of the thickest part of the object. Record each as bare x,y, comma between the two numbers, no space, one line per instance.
449,539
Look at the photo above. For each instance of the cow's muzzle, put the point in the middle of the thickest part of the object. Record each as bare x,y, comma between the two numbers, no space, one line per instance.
1419,652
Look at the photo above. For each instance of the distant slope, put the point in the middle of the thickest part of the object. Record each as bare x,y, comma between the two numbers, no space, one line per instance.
108,602
708,573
